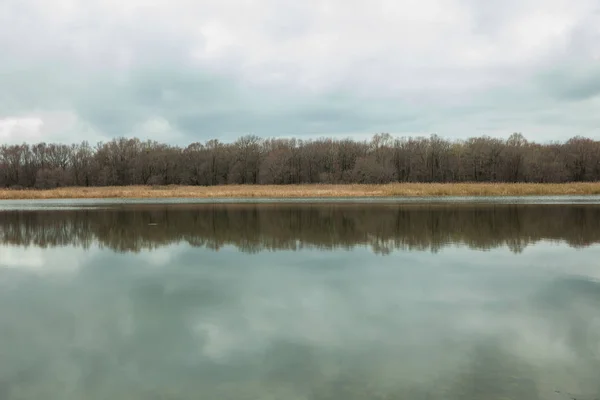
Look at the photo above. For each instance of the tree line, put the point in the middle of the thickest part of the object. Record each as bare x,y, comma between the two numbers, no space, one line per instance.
252,160
253,228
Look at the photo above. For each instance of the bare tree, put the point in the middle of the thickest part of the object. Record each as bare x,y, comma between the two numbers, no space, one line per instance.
252,160
516,147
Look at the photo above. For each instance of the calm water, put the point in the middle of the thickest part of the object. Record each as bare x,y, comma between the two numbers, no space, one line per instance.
300,301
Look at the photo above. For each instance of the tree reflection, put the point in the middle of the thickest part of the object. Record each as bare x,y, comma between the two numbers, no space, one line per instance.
255,228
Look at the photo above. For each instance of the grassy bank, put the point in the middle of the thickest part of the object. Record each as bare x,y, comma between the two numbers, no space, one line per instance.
291,191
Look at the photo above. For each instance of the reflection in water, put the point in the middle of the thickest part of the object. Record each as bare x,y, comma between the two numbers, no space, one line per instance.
167,317
254,228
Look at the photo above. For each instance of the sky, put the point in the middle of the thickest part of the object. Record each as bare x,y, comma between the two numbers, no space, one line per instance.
182,71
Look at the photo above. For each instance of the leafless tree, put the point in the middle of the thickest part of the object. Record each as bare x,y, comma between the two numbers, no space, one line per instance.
252,160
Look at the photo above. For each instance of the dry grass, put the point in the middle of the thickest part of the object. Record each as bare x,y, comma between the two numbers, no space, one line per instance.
304,191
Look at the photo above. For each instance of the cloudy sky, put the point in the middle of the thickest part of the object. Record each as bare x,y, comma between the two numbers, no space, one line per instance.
190,70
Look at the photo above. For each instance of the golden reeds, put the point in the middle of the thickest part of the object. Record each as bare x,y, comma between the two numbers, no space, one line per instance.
305,191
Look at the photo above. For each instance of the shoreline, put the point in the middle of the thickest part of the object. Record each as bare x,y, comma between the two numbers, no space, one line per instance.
307,191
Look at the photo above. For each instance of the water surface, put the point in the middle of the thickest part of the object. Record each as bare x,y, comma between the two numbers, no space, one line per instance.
335,300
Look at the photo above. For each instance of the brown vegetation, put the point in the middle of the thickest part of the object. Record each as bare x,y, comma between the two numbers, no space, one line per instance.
309,191
252,160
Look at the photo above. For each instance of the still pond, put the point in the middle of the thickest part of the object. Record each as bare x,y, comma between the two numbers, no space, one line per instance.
300,301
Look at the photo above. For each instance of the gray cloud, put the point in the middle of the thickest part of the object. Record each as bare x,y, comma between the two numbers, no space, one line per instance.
574,83
457,68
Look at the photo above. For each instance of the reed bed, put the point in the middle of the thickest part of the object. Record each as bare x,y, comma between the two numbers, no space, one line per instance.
309,190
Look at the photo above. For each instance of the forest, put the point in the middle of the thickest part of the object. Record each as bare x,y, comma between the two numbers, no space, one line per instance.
254,160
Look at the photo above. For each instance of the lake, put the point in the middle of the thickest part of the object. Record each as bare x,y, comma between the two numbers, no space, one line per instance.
306,300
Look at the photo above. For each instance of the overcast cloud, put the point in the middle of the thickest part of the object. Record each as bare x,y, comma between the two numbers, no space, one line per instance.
190,70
